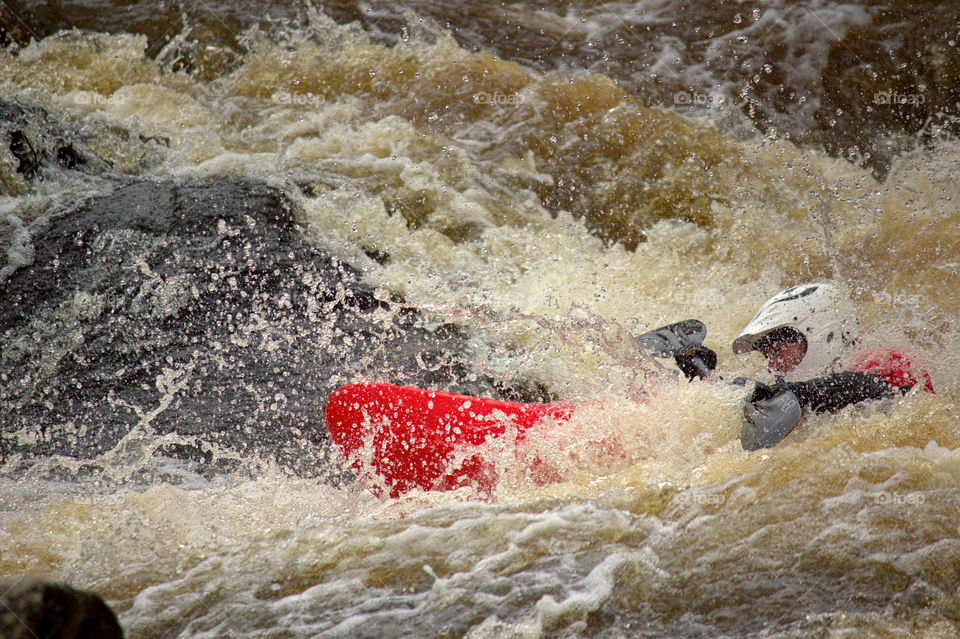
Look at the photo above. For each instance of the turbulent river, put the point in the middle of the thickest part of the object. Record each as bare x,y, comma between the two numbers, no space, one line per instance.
543,181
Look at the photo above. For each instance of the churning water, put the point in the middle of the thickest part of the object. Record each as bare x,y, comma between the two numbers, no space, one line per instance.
548,179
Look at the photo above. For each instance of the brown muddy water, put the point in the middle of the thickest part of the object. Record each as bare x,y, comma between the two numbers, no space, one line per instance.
551,178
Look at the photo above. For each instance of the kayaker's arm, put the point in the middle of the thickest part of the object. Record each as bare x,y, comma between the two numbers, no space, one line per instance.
832,392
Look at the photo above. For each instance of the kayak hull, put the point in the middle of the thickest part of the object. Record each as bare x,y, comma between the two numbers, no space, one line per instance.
399,438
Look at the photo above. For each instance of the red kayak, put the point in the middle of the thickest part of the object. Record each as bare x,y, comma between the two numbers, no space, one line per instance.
399,438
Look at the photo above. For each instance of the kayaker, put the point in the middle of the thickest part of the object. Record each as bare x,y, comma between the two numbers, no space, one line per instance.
808,334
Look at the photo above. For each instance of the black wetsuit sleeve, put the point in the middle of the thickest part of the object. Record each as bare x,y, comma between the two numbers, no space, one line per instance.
832,392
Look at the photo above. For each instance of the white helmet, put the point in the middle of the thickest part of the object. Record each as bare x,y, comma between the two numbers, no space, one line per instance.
819,310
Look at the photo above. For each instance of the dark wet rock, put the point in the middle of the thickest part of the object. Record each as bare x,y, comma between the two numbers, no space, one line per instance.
32,608
45,142
28,159
34,139
196,311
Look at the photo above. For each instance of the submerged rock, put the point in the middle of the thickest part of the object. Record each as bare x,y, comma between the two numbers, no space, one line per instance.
39,143
192,317
32,608
34,139
31,140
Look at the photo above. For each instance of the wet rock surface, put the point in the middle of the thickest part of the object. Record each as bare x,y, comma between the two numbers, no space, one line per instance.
33,608
31,142
40,142
193,317
34,140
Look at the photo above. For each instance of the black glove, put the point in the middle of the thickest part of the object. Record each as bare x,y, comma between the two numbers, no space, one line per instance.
763,391
696,361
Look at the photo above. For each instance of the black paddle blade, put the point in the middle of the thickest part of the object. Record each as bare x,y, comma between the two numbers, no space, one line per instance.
673,339
770,420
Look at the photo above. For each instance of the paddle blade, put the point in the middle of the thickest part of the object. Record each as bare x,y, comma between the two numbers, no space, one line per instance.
770,420
674,338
